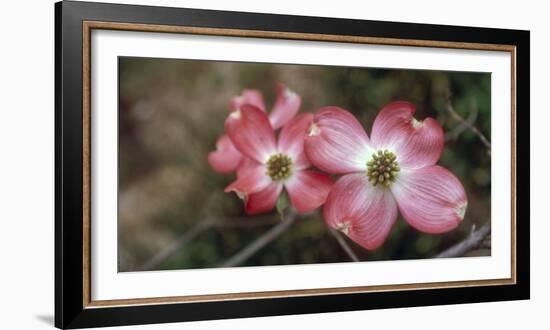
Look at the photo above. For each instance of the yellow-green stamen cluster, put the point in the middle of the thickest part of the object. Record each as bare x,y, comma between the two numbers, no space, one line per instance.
382,168
279,167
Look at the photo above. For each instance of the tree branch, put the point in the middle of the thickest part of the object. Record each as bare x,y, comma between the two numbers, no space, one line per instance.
344,245
247,222
261,242
177,245
481,237
473,241
469,125
187,237
200,227
456,131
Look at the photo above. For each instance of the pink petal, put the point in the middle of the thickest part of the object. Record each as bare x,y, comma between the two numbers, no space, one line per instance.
291,139
423,146
308,190
392,124
251,133
246,165
431,199
226,158
250,179
417,143
363,212
248,96
264,200
336,142
285,107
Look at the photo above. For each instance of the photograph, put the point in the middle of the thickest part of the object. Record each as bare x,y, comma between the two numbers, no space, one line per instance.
235,164
217,164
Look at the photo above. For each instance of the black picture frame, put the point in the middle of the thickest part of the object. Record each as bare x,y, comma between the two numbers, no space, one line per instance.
70,309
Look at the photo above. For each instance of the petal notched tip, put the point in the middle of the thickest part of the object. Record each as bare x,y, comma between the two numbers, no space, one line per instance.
431,199
235,115
344,227
248,96
364,213
251,132
286,106
461,210
336,142
416,124
313,130
232,189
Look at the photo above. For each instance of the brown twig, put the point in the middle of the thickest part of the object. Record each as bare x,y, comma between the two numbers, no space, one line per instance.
187,237
481,237
177,245
344,245
247,222
200,227
261,242
456,131
469,125
473,241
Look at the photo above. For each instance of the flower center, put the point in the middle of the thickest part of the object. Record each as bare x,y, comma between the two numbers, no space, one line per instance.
279,167
382,168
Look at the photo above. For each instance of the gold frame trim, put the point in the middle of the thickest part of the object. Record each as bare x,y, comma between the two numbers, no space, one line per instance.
88,26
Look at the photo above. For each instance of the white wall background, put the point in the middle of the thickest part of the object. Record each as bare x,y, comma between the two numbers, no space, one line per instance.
27,169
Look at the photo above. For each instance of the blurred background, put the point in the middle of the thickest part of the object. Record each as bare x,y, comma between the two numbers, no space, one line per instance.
173,213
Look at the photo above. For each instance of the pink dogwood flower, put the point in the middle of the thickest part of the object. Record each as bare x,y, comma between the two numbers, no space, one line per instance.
226,157
393,170
271,165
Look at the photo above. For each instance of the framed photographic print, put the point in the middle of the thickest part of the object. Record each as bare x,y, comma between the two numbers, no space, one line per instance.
218,164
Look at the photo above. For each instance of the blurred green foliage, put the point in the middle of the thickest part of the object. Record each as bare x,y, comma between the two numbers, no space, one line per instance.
172,111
